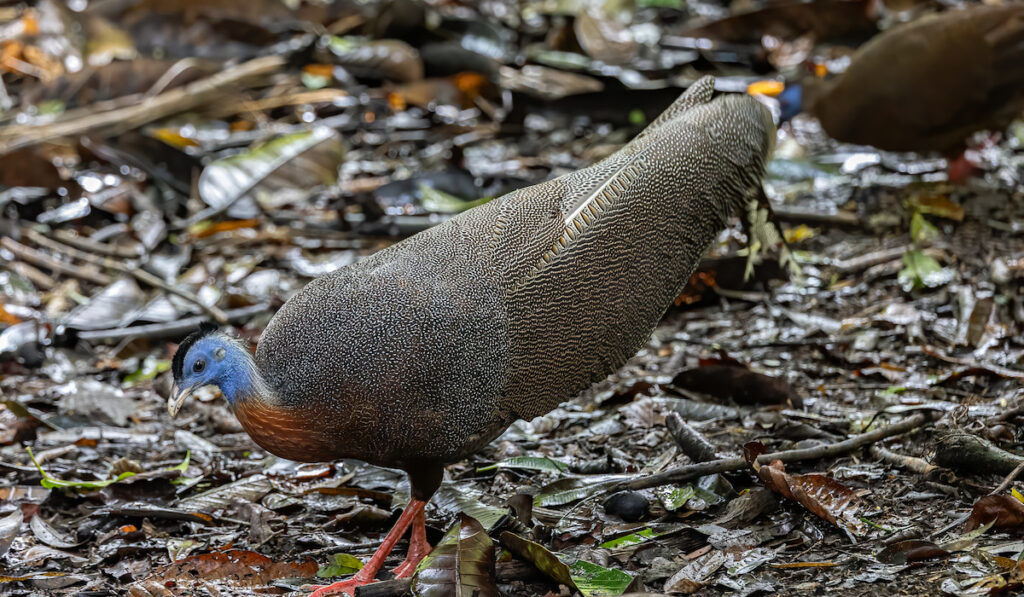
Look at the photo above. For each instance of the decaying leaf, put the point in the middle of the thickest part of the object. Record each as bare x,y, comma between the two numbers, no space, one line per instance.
528,463
911,550
739,385
461,565
297,161
379,59
1005,511
591,580
10,526
695,575
246,568
821,495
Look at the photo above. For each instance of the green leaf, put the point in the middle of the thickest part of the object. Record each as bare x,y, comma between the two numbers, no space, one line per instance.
445,203
920,270
53,482
343,565
535,463
592,580
630,539
921,230
560,498
589,579
674,4
150,368
312,81
453,498
299,160
461,564
571,489
676,498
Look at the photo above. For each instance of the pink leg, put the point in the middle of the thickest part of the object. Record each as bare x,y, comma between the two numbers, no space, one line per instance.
418,547
414,511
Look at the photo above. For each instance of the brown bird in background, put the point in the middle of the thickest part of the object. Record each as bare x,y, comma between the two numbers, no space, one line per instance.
926,85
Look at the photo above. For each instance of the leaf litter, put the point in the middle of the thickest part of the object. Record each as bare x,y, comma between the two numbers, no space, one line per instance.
143,193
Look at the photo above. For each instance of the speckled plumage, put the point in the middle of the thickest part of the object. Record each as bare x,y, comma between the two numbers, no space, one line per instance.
424,352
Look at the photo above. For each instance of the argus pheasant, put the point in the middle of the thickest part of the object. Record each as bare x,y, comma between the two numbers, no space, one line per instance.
926,85
422,353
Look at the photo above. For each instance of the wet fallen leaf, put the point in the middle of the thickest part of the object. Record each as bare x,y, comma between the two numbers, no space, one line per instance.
589,579
738,384
296,161
533,463
1005,511
604,38
10,527
462,564
912,550
695,575
547,83
821,495
377,59
250,489
51,536
452,499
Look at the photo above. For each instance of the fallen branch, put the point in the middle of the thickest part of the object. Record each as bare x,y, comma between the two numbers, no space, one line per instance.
911,463
687,472
971,455
54,265
170,329
1009,479
140,274
174,101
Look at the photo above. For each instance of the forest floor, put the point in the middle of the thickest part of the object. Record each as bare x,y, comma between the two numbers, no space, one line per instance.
884,375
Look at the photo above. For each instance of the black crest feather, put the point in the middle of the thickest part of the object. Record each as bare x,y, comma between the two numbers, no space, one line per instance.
178,363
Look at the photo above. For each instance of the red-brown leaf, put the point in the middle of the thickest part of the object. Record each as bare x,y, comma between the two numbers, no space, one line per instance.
1006,510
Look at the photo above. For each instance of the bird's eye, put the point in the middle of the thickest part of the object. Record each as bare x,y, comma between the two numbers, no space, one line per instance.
199,366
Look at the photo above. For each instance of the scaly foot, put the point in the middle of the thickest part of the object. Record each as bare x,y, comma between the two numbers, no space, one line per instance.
418,547
344,587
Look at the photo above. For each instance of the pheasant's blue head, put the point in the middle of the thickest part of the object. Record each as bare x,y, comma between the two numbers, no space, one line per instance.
790,102
210,358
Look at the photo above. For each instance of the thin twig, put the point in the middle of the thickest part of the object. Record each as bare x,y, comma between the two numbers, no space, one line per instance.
692,471
1009,479
174,101
92,246
911,463
34,275
139,273
54,265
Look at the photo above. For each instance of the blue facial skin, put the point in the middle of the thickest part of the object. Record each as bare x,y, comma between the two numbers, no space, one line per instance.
790,102
218,362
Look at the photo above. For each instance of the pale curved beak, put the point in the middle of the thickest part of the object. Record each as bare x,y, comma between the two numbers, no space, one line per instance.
178,398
